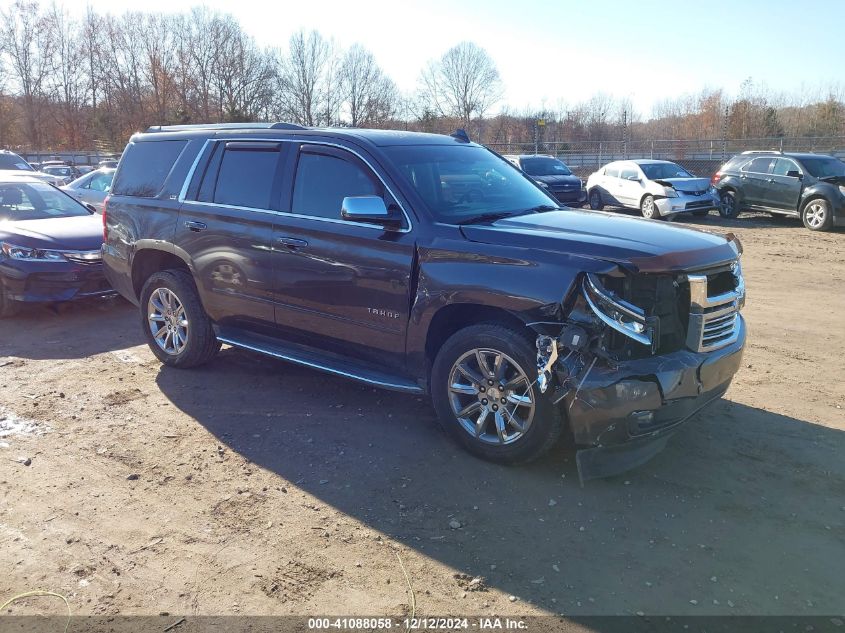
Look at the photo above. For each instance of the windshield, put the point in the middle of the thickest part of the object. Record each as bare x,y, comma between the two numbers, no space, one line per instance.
544,166
824,167
460,182
658,171
13,161
59,171
36,201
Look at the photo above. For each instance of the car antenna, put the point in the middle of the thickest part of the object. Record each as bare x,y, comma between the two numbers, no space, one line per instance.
461,135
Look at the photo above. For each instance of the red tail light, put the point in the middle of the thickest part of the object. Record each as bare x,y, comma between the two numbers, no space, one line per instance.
715,178
105,226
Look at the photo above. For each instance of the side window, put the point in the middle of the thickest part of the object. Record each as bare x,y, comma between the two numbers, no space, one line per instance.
629,172
145,167
784,166
100,182
246,175
759,165
323,181
613,172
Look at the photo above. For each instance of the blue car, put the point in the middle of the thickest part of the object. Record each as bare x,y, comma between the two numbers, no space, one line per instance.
49,246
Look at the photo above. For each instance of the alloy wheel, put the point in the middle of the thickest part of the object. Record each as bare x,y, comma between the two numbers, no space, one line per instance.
727,203
167,320
815,214
491,396
648,207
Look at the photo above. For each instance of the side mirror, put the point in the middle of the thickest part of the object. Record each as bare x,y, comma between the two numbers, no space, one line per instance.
634,178
793,173
369,209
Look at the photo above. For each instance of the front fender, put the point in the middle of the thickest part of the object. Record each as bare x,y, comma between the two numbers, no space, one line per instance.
529,285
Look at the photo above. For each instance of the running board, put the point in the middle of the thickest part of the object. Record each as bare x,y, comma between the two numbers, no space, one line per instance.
308,357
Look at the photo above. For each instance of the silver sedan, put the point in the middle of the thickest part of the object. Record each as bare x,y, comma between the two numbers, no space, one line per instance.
92,188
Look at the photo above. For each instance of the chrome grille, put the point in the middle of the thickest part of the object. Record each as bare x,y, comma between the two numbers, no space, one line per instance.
714,320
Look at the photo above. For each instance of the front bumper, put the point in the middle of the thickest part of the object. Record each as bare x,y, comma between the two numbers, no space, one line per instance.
623,415
53,281
687,203
570,196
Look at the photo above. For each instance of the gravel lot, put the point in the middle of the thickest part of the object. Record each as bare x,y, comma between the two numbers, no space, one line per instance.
253,486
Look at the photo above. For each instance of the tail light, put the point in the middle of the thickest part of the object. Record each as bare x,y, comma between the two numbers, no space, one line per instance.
105,226
715,178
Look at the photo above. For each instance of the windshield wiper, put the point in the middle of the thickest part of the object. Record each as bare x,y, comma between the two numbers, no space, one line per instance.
487,217
501,215
543,207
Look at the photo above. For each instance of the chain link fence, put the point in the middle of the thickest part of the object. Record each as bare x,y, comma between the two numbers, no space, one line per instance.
699,157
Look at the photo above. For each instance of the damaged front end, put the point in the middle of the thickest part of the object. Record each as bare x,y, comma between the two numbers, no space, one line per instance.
637,354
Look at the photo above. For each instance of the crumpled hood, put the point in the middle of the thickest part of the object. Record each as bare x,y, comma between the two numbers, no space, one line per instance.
78,233
690,185
644,245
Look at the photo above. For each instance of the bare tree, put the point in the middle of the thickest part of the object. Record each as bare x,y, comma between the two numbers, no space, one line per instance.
301,78
29,49
369,95
464,83
66,84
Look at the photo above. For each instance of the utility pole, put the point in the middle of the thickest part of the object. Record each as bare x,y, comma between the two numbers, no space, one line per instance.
625,133
537,125
725,134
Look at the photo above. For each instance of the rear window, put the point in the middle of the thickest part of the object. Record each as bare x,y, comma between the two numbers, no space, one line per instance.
145,167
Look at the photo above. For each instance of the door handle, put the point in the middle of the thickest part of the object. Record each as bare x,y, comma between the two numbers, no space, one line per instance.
770,180
744,177
292,242
195,226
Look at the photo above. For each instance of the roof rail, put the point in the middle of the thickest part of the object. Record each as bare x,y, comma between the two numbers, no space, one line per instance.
225,126
763,151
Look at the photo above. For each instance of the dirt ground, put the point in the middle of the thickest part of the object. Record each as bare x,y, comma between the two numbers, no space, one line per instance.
253,486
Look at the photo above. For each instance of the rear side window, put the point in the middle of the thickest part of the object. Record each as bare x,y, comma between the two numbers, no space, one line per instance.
613,172
145,167
759,165
246,175
323,181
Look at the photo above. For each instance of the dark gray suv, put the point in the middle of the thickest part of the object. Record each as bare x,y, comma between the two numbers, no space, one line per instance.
809,186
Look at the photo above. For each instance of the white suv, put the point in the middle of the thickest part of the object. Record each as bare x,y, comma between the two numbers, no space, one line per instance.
658,188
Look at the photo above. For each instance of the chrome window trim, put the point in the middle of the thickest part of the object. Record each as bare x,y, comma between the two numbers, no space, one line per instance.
182,199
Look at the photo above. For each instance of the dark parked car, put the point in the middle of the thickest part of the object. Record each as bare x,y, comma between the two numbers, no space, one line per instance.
809,186
352,251
49,246
565,186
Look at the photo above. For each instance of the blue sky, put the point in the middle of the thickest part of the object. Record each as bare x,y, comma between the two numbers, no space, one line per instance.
563,52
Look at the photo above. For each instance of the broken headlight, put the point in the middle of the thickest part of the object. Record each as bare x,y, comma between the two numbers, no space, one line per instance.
620,315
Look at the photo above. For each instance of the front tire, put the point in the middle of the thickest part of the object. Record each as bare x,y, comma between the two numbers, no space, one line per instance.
728,205
485,394
649,209
595,200
816,215
174,322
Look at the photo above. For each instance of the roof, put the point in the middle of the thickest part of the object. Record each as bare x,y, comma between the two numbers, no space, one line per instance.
14,175
382,138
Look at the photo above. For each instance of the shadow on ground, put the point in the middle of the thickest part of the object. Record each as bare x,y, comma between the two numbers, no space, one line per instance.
70,330
741,511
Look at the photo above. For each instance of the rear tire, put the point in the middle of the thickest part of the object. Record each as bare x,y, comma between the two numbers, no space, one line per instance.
648,207
505,417
595,200
728,205
171,306
8,307
816,215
